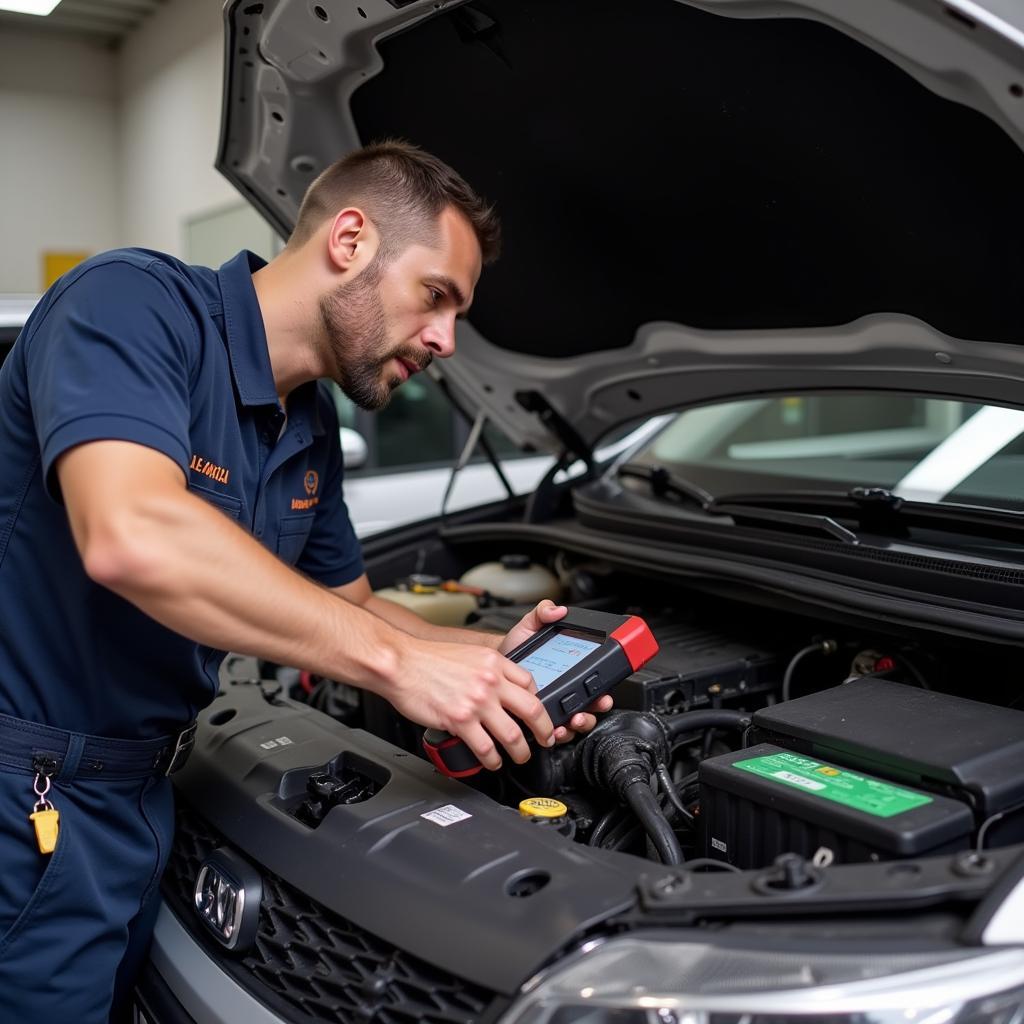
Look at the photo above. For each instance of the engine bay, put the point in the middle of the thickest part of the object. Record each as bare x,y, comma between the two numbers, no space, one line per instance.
755,737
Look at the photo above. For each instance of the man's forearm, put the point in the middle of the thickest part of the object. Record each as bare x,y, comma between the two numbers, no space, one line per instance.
409,622
196,572
190,568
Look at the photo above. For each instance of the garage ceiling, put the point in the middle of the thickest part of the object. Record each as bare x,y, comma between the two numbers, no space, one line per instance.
103,21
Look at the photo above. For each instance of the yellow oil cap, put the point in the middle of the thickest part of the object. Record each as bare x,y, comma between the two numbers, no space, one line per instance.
542,807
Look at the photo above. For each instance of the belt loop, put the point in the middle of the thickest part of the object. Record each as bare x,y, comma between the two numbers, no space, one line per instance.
69,765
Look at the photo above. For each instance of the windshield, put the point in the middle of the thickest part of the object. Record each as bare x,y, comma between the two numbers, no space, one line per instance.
924,449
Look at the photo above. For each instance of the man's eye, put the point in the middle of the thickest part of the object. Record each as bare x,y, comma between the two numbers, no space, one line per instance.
435,296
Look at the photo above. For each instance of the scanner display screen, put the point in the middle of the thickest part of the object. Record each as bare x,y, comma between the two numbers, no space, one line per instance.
556,656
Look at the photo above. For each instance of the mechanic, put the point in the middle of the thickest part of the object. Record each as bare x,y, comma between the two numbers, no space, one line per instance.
172,490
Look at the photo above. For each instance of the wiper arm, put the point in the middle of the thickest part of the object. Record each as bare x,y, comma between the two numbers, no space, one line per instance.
879,510
664,482
807,521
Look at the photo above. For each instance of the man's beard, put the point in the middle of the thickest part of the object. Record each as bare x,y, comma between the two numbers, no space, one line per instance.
356,331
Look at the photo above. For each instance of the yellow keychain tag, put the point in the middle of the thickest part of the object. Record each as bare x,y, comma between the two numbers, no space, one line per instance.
44,816
47,823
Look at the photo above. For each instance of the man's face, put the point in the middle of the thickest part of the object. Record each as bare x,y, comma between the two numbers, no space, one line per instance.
391,321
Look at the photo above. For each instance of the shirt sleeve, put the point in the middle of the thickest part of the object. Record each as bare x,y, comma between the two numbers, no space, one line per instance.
110,360
332,555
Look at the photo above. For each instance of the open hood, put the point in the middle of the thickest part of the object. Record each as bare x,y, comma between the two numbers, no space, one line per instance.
700,199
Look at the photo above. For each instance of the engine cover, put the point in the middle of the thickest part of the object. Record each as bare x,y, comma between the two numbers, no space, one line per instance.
422,861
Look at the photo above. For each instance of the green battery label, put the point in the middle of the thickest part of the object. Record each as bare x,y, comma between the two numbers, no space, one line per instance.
872,796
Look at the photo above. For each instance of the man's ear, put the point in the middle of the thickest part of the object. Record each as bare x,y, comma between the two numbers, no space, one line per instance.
352,240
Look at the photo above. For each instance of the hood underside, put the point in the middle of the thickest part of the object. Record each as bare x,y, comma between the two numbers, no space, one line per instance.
700,200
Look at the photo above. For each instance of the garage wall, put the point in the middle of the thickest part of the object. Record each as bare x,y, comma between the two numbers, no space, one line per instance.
58,159
169,84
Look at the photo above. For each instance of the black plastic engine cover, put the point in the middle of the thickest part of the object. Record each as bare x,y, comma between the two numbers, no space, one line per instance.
488,897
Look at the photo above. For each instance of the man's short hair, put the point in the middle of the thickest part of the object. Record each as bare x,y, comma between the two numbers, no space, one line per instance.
404,190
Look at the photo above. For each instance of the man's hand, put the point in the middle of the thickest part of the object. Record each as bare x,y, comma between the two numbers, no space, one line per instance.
545,613
471,691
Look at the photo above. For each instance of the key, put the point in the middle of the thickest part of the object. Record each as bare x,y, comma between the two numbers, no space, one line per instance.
47,823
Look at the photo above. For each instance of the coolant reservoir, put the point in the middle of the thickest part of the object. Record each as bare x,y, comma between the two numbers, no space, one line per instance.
423,595
515,578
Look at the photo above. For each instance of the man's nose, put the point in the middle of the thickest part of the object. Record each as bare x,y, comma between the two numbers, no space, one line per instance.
439,337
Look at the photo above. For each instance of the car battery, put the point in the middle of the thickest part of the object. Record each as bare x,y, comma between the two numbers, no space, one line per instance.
927,740
762,801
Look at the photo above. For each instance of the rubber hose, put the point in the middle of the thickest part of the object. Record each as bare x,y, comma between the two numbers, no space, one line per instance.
698,721
645,806
603,827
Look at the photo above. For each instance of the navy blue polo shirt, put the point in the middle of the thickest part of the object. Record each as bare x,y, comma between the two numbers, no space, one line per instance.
136,346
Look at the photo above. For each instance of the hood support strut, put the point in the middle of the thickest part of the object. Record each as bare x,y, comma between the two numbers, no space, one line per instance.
544,501
535,402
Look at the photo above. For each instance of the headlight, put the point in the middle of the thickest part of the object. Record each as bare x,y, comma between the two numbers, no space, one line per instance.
652,980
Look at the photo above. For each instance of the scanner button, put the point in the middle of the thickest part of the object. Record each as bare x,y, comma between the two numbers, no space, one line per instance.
571,702
592,683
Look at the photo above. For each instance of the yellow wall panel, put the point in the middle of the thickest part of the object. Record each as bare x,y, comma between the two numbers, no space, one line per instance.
57,263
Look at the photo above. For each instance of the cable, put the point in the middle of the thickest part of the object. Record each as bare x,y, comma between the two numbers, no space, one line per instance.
984,828
822,646
905,662
708,862
673,796
645,806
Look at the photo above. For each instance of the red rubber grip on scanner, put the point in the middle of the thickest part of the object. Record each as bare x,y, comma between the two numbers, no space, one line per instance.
636,639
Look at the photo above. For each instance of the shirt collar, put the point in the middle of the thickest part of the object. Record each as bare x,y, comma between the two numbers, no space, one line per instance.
246,336
304,408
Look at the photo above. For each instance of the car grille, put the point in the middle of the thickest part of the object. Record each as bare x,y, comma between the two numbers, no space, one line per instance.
310,964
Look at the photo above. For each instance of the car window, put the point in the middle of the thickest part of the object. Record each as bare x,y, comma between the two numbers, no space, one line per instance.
418,427
927,449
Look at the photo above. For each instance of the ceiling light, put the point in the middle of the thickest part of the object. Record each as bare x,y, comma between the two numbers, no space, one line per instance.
29,6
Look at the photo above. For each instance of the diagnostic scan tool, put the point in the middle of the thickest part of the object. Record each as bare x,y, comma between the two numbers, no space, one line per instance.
573,662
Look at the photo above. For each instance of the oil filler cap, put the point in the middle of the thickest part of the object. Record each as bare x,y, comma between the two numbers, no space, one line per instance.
542,807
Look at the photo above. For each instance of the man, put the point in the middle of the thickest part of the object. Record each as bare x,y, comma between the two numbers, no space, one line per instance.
161,428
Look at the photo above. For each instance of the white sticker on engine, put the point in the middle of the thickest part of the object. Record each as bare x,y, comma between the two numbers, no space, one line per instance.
719,845
447,815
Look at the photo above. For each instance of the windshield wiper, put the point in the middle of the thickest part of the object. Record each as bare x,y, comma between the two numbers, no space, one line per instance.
664,482
879,510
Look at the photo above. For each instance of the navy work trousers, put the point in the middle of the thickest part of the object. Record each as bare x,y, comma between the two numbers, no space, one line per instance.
75,924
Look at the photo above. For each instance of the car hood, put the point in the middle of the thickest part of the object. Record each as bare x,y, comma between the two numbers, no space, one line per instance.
700,199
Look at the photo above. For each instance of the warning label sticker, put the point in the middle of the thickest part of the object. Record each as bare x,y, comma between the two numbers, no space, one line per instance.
862,793
447,815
